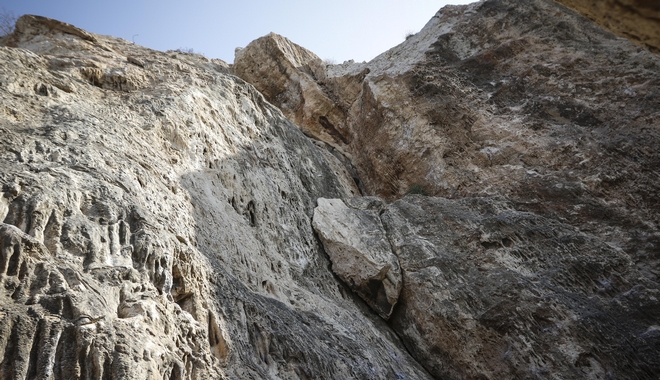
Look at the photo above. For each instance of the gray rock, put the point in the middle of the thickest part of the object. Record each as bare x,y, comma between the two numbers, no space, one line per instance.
490,292
359,250
156,223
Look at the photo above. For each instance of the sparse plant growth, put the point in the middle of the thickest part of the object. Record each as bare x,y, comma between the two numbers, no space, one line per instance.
416,188
329,61
409,34
185,50
7,21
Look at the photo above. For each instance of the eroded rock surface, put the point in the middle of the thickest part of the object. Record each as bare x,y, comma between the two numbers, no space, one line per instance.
543,129
156,223
156,211
361,255
523,99
637,20
491,292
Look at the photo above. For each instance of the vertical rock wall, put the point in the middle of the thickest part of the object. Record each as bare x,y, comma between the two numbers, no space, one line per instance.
156,223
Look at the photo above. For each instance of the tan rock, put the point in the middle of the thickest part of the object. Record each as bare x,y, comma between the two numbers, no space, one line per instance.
637,20
286,74
522,99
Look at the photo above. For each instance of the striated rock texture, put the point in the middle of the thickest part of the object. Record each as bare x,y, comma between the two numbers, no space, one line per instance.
160,219
490,292
521,99
156,224
361,256
540,131
637,20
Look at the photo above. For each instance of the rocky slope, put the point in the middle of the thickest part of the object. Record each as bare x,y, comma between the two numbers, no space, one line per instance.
162,220
157,224
492,292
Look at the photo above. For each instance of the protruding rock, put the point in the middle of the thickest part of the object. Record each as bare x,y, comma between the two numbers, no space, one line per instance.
287,75
35,25
361,255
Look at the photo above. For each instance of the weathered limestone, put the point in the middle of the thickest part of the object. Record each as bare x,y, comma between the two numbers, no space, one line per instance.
156,224
158,216
490,292
637,20
523,99
361,255
286,74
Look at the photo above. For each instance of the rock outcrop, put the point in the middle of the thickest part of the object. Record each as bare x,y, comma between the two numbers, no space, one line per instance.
523,99
160,219
539,130
156,223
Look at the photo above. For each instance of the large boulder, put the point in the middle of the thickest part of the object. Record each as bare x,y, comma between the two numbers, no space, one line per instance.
361,256
287,75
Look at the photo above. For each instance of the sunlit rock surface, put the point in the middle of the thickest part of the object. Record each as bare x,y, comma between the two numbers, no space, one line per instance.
539,130
156,223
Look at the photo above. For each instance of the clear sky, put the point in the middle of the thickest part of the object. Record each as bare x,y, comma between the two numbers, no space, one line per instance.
333,29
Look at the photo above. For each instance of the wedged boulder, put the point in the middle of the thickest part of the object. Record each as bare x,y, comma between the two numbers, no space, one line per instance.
361,255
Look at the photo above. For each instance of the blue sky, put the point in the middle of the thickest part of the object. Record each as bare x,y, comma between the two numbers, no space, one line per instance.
337,29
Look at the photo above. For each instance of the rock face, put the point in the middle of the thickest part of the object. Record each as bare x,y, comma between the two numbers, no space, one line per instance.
160,219
156,223
490,292
361,256
539,130
637,20
532,297
523,99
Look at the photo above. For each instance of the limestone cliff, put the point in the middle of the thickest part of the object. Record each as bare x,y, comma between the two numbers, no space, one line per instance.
478,202
156,224
540,131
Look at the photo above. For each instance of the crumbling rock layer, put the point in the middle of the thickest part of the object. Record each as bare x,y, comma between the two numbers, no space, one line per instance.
156,224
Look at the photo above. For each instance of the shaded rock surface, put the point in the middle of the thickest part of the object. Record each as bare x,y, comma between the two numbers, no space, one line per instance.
156,223
361,256
491,292
540,131
637,20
